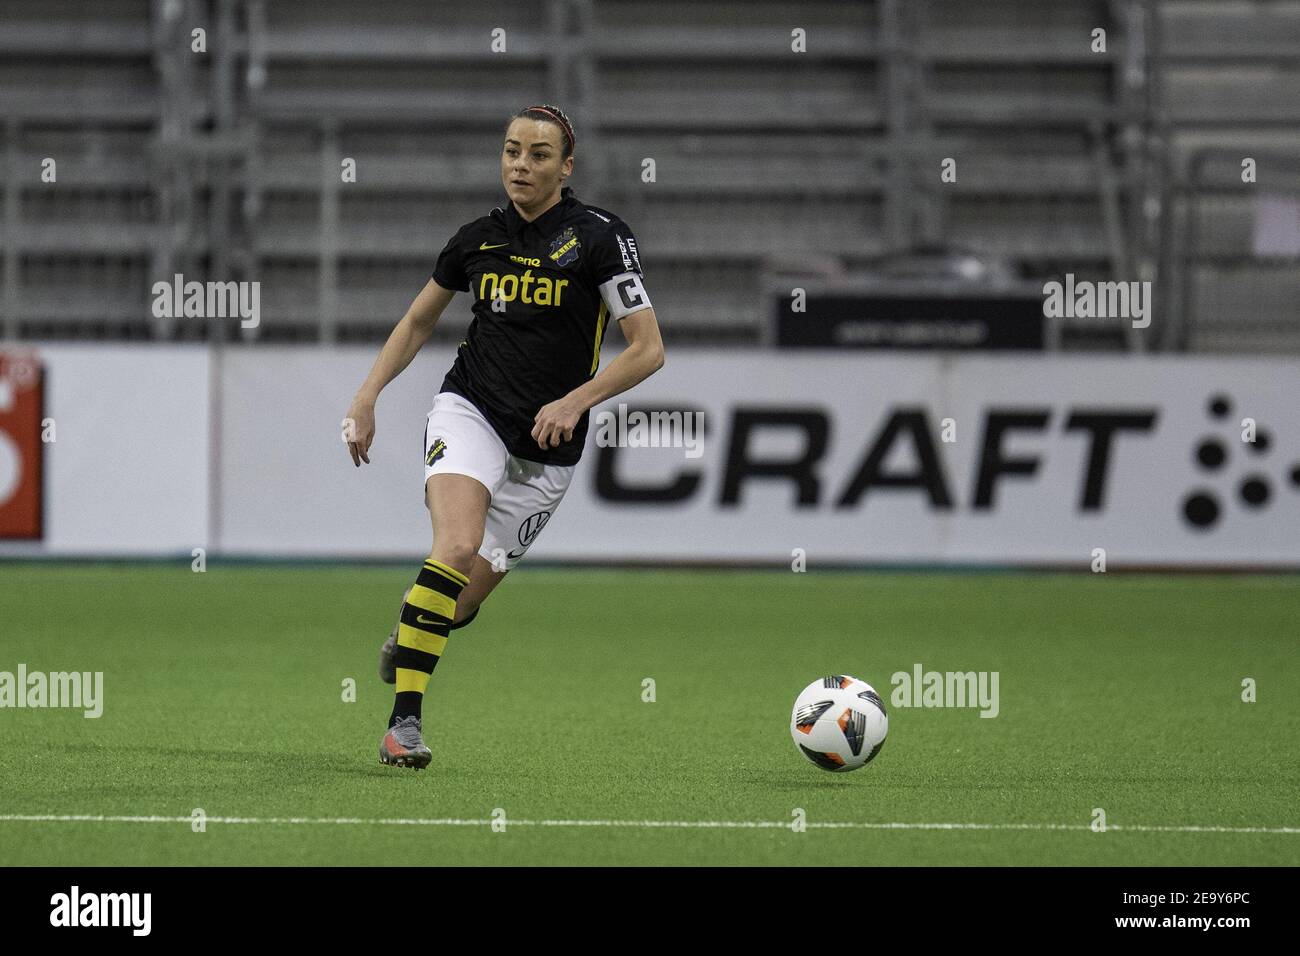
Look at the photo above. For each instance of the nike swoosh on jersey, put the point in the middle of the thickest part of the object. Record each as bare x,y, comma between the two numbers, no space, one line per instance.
497,246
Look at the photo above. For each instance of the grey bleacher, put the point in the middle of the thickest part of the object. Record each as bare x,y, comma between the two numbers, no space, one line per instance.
1230,74
225,164
1215,31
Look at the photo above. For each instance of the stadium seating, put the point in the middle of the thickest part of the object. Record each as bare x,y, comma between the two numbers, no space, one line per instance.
224,164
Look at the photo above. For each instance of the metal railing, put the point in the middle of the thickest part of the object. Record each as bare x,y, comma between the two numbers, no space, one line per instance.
1232,252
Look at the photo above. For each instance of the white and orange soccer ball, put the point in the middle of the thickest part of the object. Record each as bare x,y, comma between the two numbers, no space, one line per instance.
839,723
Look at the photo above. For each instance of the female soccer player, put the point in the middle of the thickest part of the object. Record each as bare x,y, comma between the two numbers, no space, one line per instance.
509,422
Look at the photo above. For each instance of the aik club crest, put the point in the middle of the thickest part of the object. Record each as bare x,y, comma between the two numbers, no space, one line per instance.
565,248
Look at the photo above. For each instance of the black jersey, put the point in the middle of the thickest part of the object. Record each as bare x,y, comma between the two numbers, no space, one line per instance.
544,292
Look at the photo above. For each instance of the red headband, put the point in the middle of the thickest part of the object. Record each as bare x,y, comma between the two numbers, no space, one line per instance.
573,142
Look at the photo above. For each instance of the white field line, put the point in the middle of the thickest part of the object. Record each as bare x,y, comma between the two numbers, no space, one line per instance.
626,824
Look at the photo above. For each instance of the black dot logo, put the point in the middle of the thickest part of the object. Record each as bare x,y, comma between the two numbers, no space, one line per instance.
1254,491
1202,507
1211,453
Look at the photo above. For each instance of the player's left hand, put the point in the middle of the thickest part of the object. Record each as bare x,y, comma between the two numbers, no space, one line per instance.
555,422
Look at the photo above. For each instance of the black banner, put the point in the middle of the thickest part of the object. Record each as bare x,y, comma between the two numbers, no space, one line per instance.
1223,906
878,321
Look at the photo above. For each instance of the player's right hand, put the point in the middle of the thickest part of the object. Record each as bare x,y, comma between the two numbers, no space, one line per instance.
359,430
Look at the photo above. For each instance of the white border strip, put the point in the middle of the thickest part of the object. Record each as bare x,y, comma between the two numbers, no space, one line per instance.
633,824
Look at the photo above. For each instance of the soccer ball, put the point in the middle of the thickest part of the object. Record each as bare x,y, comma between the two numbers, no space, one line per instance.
839,723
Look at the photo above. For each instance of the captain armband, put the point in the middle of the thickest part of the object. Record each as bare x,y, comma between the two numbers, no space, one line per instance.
624,294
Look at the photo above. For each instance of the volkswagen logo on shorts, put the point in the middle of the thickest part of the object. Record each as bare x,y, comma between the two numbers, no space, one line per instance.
532,527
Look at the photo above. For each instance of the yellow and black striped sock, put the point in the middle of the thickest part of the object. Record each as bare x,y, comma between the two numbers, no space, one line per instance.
422,633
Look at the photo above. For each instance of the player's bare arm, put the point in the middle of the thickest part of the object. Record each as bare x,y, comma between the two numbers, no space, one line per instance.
643,357
406,339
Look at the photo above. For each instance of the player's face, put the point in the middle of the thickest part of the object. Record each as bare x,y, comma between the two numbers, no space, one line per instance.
531,168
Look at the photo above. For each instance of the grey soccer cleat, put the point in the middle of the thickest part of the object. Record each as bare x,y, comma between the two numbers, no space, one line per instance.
388,653
403,746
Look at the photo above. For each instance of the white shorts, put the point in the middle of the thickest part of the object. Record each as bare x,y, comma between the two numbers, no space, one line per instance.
525,493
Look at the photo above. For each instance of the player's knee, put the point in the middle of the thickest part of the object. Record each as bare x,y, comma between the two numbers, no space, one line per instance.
457,550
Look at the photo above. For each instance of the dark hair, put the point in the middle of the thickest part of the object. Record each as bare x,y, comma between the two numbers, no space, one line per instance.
551,114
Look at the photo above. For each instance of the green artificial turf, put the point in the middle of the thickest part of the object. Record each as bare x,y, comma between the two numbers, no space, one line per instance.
223,691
